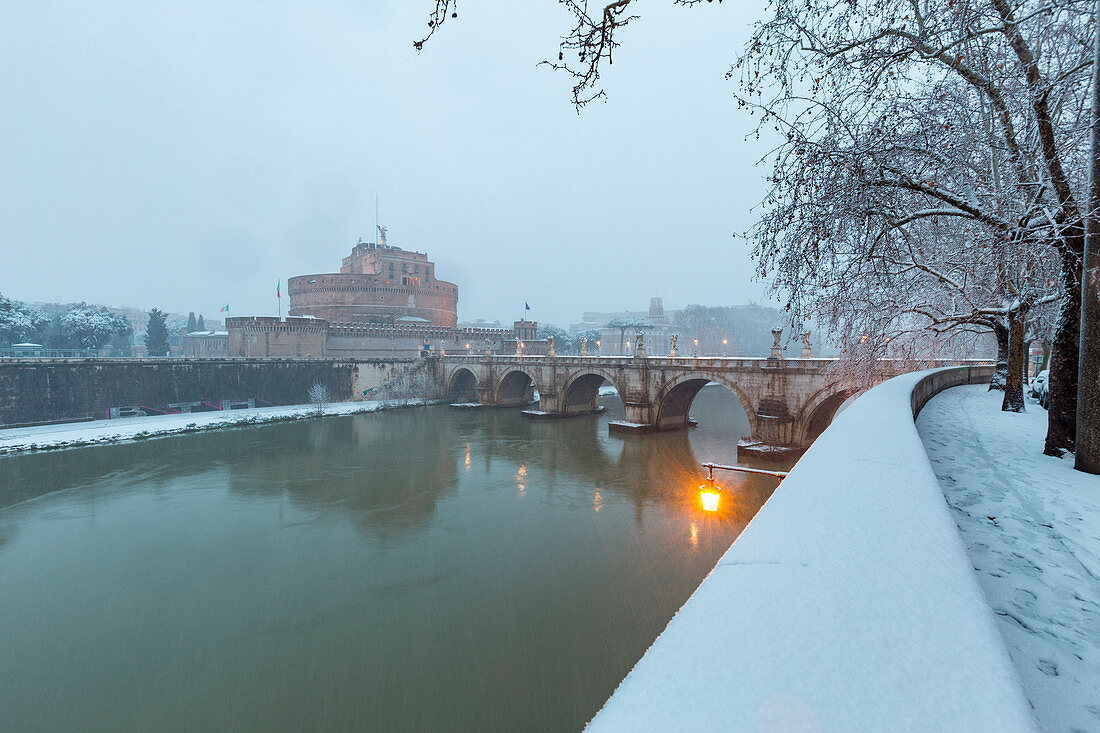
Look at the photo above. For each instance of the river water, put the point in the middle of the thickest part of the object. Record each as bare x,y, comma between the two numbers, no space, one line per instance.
422,569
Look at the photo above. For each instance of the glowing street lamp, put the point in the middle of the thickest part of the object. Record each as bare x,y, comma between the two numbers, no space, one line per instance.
710,492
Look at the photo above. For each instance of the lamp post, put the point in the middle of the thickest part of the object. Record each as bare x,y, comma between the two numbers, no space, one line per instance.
710,492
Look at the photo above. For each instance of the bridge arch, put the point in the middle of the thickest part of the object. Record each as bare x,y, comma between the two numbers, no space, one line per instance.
673,404
819,411
581,390
462,386
515,388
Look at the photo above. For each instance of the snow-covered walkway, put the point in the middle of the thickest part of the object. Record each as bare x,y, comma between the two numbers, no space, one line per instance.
1031,525
69,435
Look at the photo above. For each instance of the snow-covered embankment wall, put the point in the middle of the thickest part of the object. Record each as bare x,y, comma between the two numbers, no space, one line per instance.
847,604
38,390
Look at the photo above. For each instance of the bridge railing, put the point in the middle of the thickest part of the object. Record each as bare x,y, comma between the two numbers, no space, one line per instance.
704,362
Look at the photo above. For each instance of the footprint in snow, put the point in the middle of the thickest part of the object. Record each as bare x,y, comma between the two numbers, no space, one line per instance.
1049,668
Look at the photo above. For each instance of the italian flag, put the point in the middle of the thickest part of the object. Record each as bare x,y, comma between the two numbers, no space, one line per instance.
225,309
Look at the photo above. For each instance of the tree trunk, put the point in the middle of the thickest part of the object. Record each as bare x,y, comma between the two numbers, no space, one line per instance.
1014,386
1088,395
1000,372
1062,379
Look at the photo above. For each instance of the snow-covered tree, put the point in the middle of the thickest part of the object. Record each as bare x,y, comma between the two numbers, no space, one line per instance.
629,323
90,327
902,121
18,321
592,334
156,333
175,326
744,329
192,324
564,342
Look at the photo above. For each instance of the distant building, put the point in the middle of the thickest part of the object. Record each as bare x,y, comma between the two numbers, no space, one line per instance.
377,283
657,339
204,344
524,340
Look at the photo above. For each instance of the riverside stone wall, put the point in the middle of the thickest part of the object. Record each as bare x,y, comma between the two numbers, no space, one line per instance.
40,390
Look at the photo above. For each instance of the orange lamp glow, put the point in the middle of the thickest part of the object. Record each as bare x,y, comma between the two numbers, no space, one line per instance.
710,493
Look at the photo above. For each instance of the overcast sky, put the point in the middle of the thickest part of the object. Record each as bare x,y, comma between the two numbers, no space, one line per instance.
189,155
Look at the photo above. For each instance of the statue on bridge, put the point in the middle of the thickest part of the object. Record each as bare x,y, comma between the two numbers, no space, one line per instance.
550,342
584,346
672,350
807,353
777,350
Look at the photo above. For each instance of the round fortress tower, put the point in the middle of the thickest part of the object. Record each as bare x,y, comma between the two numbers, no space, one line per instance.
377,283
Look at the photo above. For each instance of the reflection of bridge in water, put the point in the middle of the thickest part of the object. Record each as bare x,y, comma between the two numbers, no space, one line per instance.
789,402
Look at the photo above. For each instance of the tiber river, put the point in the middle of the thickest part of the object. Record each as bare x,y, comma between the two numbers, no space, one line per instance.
416,570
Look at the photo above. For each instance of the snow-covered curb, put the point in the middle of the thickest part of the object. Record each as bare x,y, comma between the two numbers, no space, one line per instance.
847,604
96,432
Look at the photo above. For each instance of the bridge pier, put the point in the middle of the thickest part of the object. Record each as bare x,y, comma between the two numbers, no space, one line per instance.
773,433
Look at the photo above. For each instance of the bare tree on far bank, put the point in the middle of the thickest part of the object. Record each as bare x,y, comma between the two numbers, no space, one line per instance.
319,397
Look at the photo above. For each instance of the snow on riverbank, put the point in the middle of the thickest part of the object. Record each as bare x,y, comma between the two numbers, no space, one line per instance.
1032,529
72,435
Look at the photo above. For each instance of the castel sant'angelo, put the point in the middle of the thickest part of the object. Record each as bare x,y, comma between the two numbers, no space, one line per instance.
385,301
377,283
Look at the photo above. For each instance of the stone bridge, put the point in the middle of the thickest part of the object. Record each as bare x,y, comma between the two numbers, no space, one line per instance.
789,402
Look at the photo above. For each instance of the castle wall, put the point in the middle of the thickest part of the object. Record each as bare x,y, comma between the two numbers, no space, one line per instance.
367,340
266,336
39,390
